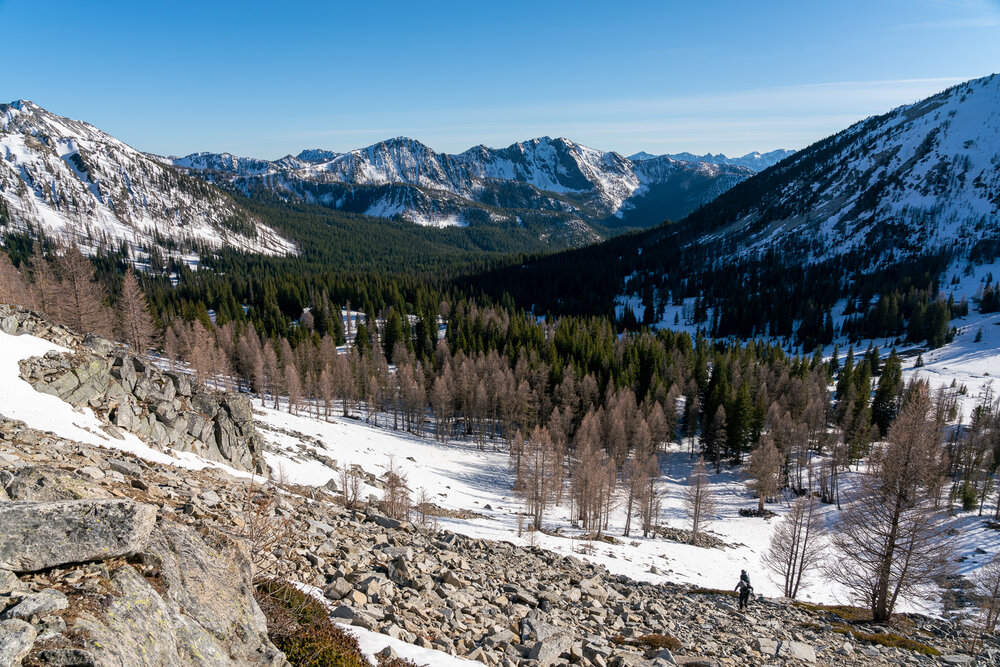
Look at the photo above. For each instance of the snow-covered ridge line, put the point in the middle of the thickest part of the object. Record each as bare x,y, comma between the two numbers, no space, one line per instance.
82,185
605,183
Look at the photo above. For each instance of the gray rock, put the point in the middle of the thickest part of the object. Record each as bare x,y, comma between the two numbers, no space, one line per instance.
797,651
9,582
386,522
68,657
338,589
40,535
38,604
40,483
768,647
547,652
206,614
957,659
16,640
127,468
534,629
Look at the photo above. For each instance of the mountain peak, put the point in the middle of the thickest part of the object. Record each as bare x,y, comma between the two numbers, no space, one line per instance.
317,155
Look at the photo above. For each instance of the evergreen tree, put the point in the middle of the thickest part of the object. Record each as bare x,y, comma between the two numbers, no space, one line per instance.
890,386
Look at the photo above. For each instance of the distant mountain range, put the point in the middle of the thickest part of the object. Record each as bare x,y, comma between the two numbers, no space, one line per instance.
579,191
754,161
75,182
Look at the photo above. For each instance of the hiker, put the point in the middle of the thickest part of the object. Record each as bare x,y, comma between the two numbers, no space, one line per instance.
745,589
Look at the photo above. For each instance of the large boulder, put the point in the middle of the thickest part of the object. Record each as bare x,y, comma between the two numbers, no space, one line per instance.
40,535
201,612
45,484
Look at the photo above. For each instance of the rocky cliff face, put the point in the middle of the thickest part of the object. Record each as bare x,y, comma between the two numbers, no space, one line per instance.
93,573
164,409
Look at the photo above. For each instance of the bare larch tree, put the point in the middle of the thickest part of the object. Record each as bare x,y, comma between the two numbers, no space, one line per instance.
797,545
890,540
699,500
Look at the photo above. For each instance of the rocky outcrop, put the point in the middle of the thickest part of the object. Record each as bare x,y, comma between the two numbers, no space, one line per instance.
167,410
105,582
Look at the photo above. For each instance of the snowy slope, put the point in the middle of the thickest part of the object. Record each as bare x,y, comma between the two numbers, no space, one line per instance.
78,183
404,178
919,177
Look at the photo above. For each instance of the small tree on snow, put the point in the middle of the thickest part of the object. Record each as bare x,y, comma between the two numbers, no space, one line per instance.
699,501
797,545
890,540
766,471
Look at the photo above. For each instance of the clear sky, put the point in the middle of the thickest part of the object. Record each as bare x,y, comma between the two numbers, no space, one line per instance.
268,78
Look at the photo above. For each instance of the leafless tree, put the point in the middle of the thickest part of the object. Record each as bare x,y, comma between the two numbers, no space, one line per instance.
890,540
637,470
293,385
537,475
651,499
135,325
766,471
986,582
13,286
699,501
395,493
265,529
797,545
81,302
271,377
350,485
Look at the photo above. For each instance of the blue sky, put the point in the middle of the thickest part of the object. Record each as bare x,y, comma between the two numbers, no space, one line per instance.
270,78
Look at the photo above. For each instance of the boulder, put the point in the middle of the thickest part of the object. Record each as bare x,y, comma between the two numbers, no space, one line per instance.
201,613
547,652
797,651
40,535
37,604
16,639
47,484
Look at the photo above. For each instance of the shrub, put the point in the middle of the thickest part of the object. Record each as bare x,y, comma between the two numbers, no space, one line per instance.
301,627
659,641
970,497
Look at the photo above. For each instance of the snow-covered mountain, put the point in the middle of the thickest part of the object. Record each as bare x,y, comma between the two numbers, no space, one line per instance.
754,161
921,176
78,183
554,178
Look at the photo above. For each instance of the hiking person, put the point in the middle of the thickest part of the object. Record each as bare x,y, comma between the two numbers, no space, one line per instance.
744,589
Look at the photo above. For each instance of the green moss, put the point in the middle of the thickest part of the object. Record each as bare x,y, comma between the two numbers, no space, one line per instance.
846,612
651,643
659,641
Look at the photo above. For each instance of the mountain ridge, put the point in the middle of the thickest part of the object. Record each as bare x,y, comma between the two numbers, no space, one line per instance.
75,181
572,184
